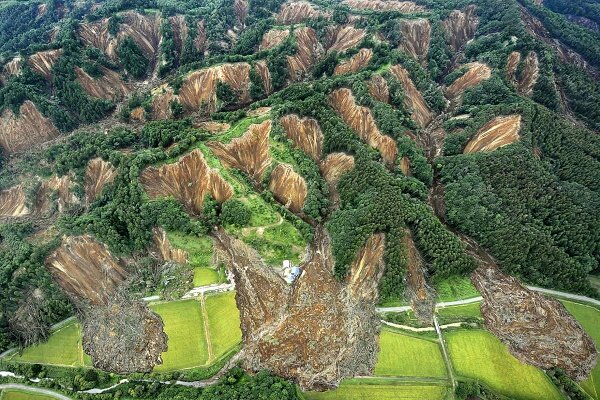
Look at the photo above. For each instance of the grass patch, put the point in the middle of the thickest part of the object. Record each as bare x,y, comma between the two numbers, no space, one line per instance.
277,243
223,322
204,276
261,212
403,355
455,288
240,128
199,249
471,310
362,390
183,325
62,348
13,394
589,318
477,354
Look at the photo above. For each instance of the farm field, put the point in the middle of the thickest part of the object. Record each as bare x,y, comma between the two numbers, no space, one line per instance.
589,318
62,348
403,355
362,389
12,394
479,355
455,288
204,276
462,312
183,325
223,322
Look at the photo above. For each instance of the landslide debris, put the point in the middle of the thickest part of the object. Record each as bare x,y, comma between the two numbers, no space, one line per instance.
496,133
317,330
58,187
476,72
305,133
288,187
85,269
265,75
295,12
167,252
355,63
188,180
273,38
308,54
384,5
332,168
162,96
413,100
25,131
460,27
43,61
362,122
536,329
109,86
13,67
342,38
13,202
378,88
144,29
416,36
98,174
421,295
528,76
249,153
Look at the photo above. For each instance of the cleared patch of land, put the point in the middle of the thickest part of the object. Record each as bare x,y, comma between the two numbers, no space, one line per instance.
359,389
455,288
403,355
62,348
589,318
11,394
479,355
206,276
183,325
224,322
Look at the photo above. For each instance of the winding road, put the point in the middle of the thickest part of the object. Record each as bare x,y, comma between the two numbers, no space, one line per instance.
33,389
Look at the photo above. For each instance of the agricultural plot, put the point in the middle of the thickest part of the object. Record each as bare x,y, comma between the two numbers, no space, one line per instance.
223,322
63,348
23,395
455,288
361,389
479,355
589,318
403,355
199,249
187,343
204,276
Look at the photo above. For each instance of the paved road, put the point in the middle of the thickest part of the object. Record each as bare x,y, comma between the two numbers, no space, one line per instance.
32,389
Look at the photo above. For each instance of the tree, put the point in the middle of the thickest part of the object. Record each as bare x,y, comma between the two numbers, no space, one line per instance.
132,58
234,212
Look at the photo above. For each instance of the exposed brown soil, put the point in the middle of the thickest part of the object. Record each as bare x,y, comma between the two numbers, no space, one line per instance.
96,34
241,8
332,168
212,126
416,36
162,96
109,86
98,173
85,269
65,197
265,75
476,73
13,202
498,132
188,180
273,38
422,297
13,67
199,89
43,61
405,165
23,132
529,75
355,63
316,331
384,5
180,31
249,153
295,12
305,133
167,252
200,40
537,330
413,100
308,54
288,187
123,336
460,27
144,29
378,88
342,38
362,122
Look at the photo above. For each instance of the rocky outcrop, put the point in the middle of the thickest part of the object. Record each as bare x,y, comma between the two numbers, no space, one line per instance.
168,252
199,88
416,36
288,187
413,100
249,153
188,180
98,174
305,134
537,330
476,73
460,27
265,76
378,88
384,5
529,74
498,132
295,12
317,330
362,122
85,269
355,63
13,202
43,61
109,86
342,38
273,38
308,54
28,129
